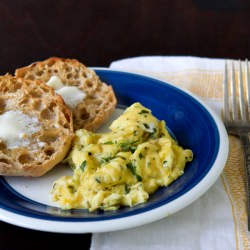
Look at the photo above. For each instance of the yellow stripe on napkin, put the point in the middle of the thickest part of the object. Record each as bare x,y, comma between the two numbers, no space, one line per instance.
234,182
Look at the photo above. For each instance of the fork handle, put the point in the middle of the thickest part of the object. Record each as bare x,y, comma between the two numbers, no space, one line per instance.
245,137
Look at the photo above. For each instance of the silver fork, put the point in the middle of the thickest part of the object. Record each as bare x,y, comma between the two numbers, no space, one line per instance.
237,113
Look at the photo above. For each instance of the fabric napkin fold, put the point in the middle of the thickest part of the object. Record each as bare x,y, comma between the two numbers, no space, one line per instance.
217,220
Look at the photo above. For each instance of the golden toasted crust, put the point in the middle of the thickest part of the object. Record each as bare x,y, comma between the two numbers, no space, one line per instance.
47,146
100,100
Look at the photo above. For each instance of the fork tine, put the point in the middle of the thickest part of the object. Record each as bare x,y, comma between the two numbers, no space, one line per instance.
238,123
226,94
241,94
233,95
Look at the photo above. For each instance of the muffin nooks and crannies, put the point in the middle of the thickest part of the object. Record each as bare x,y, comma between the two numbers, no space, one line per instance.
36,127
91,101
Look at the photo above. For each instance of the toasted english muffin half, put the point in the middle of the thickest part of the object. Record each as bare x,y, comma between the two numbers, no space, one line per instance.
91,101
36,127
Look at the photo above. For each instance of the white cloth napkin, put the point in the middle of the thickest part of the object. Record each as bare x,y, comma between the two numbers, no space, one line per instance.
210,222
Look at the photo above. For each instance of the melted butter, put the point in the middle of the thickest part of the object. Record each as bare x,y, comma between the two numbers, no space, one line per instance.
16,128
71,95
55,82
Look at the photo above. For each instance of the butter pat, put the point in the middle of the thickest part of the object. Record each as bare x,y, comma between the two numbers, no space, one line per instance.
16,128
71,95
55,82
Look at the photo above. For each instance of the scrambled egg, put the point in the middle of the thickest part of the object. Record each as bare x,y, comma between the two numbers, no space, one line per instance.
121,167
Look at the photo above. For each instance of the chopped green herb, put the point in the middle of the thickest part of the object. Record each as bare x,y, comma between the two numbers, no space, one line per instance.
138,177
97,180
132,168
143,111
135,132
165,163
153,136
71,163
146,125
129,146
119,156
107,159
71,188
141,156
189,158
127,188
108,143
83,165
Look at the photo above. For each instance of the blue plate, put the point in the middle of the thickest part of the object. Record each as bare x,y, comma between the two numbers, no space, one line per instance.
192,123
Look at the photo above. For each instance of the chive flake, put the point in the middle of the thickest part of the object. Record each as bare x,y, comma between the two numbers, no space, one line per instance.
97,180
127,188
71,188
129,146
108,143
143,111
141,156
132,168
83,165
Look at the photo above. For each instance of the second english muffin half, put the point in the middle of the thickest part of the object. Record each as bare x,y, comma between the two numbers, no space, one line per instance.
91,101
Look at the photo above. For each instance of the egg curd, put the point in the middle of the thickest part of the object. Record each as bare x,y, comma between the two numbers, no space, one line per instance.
121,167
